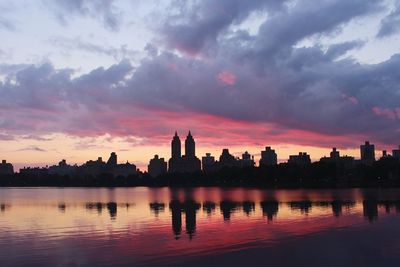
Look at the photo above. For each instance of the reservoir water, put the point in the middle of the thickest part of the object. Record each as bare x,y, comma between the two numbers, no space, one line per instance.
199,227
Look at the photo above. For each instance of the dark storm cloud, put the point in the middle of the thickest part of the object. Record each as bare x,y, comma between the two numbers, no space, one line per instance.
253,80
390,24
105,11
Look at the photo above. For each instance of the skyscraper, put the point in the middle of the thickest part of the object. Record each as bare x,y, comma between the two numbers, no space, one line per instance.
208,162
190,162
190,146
176,146
247,160
396,153
268,157
367,153
175,162
157,166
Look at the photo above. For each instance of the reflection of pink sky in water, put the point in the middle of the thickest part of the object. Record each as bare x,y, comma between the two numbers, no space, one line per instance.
46,218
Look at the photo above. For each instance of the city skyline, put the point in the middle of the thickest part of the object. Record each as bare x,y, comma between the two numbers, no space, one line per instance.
120,76
186,160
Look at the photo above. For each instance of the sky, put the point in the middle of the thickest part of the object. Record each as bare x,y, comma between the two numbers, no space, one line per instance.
80,79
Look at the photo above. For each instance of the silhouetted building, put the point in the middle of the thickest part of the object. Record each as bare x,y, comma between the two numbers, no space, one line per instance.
208,162
112,160
268,157
190,162
98,167
343,162
93,167
6,168
175,162
334,153
247,160
36,171
187,163
63,168
301,159
157,166
124,170
367,153
227,160
396,153
190,146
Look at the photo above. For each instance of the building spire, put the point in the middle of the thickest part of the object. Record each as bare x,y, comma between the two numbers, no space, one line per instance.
176,133
189,134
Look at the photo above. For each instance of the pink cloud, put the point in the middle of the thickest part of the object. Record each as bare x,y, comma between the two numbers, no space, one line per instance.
226,78
388,113
351,99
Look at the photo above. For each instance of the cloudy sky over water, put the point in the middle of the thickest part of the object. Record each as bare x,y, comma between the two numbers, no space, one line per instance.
80,78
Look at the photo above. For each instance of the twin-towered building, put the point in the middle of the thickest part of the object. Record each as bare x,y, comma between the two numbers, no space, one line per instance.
179,163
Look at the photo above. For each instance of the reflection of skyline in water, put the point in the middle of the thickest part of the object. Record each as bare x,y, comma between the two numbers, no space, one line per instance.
269,209
131,225
111,207
183,209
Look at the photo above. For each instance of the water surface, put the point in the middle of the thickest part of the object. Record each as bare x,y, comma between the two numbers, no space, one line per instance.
199,227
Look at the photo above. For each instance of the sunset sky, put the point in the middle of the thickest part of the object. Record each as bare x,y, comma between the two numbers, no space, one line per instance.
80,79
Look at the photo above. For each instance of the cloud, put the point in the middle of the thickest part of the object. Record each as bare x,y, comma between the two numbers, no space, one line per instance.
391,114
240,88
390,25
32,148
118,54
336,50
6,24
193,24
36,138
6,137
104,11
226,77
